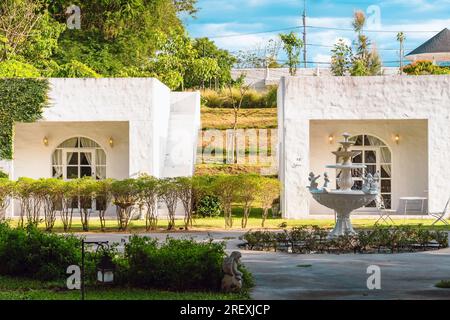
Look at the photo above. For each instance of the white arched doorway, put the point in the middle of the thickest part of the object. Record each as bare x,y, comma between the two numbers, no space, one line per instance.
377,157
79,157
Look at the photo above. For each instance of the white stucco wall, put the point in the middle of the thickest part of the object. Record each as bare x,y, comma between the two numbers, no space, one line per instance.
302,99
135,112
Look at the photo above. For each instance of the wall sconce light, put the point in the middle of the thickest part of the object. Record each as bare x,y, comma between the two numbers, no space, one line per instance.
330,138
397,138
45,141
111,142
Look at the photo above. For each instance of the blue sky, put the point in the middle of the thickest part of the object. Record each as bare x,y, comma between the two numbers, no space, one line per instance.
236,17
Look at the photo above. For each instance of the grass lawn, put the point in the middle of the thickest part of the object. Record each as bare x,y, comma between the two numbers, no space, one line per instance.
222,118
25,289
218,223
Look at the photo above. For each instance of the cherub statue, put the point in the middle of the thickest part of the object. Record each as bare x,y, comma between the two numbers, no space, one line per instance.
232,280
327,180
313,181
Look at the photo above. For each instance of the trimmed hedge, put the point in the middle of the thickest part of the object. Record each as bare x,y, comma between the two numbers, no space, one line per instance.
251,98
313,239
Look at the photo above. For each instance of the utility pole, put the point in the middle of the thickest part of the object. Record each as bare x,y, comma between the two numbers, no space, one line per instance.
401,39
304,33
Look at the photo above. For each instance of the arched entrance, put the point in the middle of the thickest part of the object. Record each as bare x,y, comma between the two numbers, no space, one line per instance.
79,157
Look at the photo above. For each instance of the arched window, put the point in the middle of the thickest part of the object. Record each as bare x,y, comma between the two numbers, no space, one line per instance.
376,155
79,157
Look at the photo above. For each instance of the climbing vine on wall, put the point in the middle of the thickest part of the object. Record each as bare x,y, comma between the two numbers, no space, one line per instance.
21,100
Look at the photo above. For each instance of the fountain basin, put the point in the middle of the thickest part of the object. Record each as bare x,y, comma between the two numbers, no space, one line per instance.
343,202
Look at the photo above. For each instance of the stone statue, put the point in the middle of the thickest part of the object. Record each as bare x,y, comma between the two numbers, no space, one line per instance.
327,180
313,180
367,183
232,280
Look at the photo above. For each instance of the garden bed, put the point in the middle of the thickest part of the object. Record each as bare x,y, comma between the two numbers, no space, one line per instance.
313,239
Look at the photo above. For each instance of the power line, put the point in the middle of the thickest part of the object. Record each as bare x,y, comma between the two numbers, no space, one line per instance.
318,27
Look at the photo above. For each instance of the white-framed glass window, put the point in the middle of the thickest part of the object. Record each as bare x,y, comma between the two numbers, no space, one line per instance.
79,157
377,157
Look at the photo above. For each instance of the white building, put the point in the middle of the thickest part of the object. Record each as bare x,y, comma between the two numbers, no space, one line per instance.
400,123
109,128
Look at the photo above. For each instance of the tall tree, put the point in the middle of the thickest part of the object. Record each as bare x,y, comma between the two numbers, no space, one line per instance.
292,45
341,58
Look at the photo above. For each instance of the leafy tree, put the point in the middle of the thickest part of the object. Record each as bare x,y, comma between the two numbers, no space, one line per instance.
341,58
248,191
186,195
103,197
85,189
148,187
6,192
292,45
268,192
74,69
126,195
168,191
226,189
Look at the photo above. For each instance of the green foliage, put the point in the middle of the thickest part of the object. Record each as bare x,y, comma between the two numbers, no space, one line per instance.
22,100
126,195
209,206
74,69
292,45
341,58
17,69
31,253
174,264
424,67
251,98
3,175
309,239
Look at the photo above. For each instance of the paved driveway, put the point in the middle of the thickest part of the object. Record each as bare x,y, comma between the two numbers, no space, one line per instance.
291,276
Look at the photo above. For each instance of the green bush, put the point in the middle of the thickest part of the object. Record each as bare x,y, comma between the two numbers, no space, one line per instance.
209,206
28,252
3,175
307,239
173,265
425,67
17,69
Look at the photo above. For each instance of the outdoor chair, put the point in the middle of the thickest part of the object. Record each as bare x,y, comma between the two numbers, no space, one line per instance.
382,211
440,216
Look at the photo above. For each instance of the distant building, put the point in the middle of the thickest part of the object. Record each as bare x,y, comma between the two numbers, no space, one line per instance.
437,49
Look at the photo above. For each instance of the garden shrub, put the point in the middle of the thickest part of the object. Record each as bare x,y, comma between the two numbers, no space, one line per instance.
28,252
425,67
3,175
174,264
209,206
310,239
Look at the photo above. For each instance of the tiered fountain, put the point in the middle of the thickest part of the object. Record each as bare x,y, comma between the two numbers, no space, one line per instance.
344,200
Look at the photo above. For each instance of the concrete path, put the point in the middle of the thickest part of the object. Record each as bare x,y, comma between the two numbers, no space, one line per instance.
294,277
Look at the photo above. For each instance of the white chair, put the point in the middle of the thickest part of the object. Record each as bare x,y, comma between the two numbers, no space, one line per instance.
382,211
440,216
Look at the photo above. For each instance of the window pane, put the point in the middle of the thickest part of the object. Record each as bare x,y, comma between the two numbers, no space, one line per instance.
387,201
372,141
57,172
72,172
358,158
85,158
100,157
371,205
371,156
385,155
372,169
85,172
358,140
357,173
386,186
100,172
72,158
385,171
70,143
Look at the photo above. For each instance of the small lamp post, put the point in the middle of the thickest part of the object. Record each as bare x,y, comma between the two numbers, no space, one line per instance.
105,267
